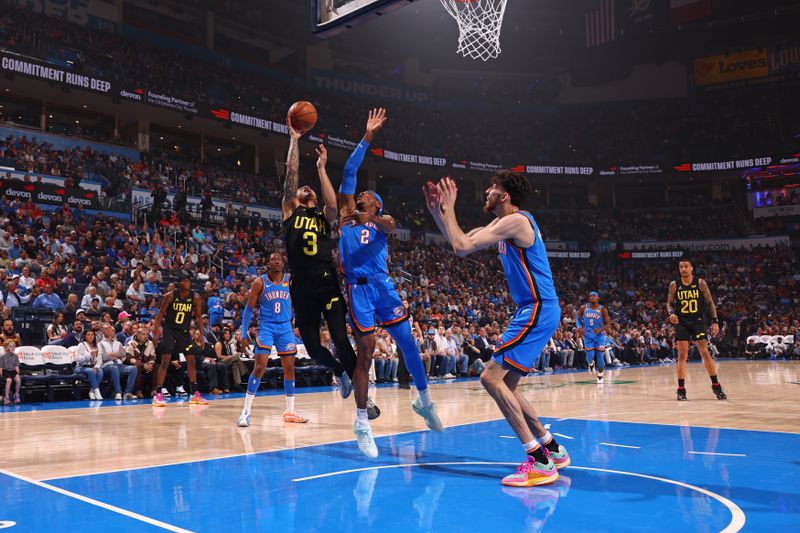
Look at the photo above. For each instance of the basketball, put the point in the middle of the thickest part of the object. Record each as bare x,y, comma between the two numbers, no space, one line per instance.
303,116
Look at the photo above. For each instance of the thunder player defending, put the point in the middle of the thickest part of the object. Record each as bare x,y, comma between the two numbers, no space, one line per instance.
594,322
363,253
270,293
530,282
315,284
178,306
692,296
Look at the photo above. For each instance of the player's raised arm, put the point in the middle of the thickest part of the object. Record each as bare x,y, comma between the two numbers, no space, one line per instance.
290,201
328,194
508,227
347,189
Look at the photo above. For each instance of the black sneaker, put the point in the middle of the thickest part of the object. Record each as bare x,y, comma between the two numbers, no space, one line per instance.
372,410
719,392
681,394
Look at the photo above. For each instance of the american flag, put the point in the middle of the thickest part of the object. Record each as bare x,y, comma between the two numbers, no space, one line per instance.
600,24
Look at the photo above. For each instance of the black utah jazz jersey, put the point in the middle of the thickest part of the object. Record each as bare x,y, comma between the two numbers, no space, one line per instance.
308,242
689,300
180,313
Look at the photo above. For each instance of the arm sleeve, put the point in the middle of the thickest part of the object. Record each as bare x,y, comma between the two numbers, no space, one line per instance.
348,185
247,316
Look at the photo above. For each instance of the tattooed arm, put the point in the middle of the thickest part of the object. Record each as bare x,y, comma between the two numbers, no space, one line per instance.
673,288
290,202
712,308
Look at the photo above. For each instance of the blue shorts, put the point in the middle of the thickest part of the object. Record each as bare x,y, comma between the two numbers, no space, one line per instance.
279,335
594,341
528,332
375,302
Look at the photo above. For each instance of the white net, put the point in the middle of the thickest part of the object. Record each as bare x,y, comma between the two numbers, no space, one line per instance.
479,24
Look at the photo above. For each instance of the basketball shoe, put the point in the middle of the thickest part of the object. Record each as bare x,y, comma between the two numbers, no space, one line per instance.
198,399
530,474
560,458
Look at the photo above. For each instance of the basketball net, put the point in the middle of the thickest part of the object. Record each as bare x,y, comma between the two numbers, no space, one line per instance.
479,23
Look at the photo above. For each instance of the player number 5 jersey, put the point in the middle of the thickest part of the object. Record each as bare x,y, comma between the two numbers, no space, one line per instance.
275,304
592,318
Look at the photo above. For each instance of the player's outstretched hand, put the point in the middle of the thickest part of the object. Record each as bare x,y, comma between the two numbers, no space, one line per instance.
448,191
673,318
377,117
356,217
433,199
322,156
714,329
293,133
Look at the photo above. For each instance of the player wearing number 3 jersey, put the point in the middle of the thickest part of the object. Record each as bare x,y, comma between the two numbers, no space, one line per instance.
176,312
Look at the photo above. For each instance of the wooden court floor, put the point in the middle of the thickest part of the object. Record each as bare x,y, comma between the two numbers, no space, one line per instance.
48,444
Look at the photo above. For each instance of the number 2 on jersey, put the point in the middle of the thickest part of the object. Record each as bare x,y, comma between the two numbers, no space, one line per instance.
364,236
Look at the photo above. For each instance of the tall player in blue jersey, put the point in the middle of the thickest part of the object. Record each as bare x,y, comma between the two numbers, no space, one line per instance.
530,283
364,254
270,293
593,322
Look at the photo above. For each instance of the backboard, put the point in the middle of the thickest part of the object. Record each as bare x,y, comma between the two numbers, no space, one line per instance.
335,16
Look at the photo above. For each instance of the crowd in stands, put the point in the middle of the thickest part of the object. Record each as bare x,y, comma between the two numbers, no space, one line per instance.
95,273
698,129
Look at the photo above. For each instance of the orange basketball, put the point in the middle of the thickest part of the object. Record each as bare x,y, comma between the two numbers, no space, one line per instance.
303,116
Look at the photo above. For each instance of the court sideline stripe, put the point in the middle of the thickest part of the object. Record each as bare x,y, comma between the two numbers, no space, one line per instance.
719,453
621,445
738,517
97,503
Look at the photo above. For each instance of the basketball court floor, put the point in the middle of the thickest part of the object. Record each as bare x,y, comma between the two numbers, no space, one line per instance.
641,460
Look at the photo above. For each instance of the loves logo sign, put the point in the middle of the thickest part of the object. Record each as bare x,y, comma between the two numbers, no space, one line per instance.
735,66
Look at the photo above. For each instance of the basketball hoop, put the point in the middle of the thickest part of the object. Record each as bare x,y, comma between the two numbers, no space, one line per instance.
479,23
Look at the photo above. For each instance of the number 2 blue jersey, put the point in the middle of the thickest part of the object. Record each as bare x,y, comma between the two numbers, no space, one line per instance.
527,269
363,251
592,318
275,304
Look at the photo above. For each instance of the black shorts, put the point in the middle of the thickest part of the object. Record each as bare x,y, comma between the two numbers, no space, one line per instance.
173,342
9,374
311,296
688,329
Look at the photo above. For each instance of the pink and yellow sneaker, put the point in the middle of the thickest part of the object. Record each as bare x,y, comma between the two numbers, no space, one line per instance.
198,399
531,474
158,400
559,458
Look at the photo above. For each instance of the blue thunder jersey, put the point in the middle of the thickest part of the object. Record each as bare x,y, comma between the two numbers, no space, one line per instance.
363,251
527,269
275,304
592,318
215,305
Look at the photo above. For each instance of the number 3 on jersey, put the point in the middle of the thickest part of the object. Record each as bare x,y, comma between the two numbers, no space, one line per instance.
311,243
364,236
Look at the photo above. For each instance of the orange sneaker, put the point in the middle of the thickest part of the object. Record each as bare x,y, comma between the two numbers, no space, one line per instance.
530,474
294,417
197,399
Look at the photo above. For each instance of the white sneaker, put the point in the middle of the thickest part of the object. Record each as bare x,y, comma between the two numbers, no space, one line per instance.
366,443
118,396
97,395
449,376
180,391
244,420
599,379
129,396
91,394
165,393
